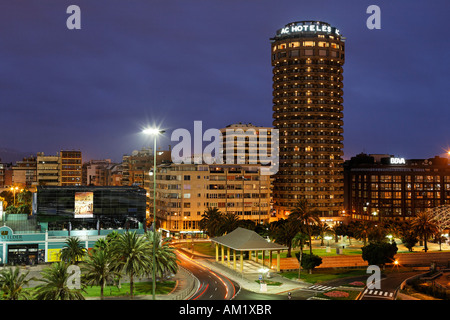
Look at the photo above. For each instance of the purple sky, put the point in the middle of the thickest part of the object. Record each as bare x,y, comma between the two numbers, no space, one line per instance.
138,62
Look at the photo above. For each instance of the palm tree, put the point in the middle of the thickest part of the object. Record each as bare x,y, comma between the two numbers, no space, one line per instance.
362,230
101,244
285,232
211,222
112,236
130,254
336,229
424,225
307,217
55,288
73,251
229,222
12,283
299,241
98,268
166,259
323,227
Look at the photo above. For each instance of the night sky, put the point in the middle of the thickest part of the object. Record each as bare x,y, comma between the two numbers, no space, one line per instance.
140,62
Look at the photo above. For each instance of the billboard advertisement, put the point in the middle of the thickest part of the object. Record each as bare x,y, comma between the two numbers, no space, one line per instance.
84,205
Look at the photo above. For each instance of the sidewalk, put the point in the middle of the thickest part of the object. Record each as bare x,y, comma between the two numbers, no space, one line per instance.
248,280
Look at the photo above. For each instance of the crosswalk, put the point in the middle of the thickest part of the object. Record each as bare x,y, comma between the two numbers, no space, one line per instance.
321,287
378,293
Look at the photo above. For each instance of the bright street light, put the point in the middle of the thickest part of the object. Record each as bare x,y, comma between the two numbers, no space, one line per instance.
155,132
152,131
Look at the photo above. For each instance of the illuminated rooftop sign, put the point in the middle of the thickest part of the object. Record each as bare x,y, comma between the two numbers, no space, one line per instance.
297,27
397,161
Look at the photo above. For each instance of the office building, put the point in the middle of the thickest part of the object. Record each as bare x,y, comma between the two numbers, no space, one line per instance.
383,186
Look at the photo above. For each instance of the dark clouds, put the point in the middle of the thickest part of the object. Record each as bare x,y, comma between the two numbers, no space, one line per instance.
174,62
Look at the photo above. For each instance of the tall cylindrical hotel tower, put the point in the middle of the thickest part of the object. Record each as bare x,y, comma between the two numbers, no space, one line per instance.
307,60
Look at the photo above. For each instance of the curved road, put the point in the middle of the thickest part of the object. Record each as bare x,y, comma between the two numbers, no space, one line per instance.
212,285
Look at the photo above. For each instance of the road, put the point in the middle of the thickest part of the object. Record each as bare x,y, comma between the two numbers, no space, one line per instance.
212,285
388,286
215,286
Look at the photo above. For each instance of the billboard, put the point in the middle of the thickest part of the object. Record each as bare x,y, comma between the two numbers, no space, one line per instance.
84,205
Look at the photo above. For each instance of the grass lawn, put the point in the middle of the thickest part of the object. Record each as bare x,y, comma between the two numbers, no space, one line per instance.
320,275
206,248
269,283
140,288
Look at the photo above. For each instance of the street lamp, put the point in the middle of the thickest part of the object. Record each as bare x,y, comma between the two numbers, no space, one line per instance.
155,132
14,189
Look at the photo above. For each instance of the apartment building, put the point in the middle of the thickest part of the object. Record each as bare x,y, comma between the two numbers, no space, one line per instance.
185,191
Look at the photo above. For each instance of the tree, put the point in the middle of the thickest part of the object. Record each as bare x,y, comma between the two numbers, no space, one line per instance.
101,244
308,261
377,233
379,252
407,234
12,282
55,287
211,222
73,251
424,225
25,198
130,254
112,236
337,230
166,259
409,240
12,210
98,268
285,232
299,241
228,222
362,230
323,227
349,230
8,197
307,216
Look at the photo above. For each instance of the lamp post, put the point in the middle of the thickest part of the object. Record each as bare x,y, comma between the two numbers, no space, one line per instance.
14,189
155,132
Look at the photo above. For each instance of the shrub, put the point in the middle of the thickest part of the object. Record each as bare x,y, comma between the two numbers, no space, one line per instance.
309,261
379,253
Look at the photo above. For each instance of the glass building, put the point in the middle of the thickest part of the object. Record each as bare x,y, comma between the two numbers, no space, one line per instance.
86,212
92,207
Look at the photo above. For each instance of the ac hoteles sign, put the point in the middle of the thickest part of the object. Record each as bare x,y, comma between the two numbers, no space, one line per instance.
308,26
